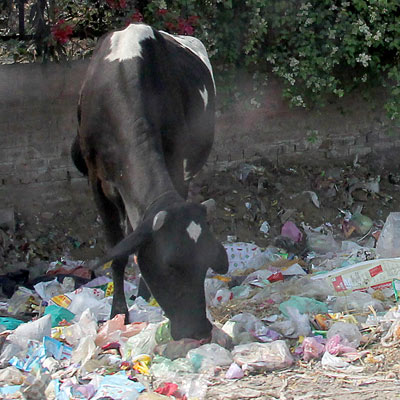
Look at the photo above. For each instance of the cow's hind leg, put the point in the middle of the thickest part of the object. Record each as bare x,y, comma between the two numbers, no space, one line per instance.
111,217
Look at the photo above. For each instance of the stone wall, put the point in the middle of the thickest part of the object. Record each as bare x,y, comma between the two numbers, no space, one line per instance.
38,123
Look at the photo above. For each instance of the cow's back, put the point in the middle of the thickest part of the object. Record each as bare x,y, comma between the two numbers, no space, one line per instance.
140,73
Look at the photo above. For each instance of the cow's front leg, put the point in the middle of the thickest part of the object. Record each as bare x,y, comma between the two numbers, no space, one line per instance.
119,302
111,218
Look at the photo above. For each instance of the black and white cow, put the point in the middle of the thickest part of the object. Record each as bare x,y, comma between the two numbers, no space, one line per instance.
146,127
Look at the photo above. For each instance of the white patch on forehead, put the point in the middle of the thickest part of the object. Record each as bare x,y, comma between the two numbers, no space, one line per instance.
204,95
125,44
194,231
196,47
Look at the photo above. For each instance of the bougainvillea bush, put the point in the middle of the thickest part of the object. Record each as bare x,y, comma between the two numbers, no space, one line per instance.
318,48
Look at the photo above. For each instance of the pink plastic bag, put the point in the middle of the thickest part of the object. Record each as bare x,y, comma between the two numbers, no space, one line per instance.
312,348
234,372
336,346
289,229
114,329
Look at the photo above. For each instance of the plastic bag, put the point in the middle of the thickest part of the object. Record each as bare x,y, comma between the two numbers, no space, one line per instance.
58,314
304,305
115,329
166,369
21,301
222,296
49,289
142,311
211,287
142,343
392,337
86,326
312,348
234,372
320,242
350,332
10,323
209,356
242,256
361,223
388,244
245,327
297,324
84,298
118,387
177,348
11,376
330,361
289,229
337,345
357,302
34,330
264,356
85,350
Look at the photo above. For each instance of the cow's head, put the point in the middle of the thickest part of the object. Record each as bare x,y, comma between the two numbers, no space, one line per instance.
175,248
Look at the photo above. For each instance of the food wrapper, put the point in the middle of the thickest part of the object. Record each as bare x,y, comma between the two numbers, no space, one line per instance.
374,274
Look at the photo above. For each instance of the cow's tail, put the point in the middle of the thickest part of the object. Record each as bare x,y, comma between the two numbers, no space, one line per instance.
77,158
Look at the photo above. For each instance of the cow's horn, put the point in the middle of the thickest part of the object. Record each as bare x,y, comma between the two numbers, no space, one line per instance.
130,244
210,205
158,220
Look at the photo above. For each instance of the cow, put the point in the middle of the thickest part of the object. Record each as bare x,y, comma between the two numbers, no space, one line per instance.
145,128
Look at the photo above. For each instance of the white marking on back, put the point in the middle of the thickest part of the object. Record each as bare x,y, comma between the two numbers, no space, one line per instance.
125,44
204,95
194,231
187,176
196,47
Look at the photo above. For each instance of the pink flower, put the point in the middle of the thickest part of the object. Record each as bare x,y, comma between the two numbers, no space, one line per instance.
62,31
137,16
116,3
184,27
162,11
170,26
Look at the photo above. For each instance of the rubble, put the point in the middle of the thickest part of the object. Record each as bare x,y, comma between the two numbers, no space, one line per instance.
306,300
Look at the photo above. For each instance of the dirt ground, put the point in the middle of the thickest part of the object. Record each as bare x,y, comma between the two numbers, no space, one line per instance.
249,196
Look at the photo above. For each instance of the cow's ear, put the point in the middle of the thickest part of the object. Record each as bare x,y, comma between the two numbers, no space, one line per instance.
221,265
210,206
158,220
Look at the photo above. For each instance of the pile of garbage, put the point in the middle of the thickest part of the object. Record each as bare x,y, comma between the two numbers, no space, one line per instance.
272,310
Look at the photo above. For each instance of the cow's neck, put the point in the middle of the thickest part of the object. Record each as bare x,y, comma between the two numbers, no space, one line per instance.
146,195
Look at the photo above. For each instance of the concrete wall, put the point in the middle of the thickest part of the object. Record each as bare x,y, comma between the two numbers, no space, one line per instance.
38,123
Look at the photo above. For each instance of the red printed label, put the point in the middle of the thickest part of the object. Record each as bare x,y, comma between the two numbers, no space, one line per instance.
382,285
375,271
338,284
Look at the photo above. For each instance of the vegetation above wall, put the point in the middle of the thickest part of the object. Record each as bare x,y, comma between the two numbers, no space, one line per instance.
318,48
